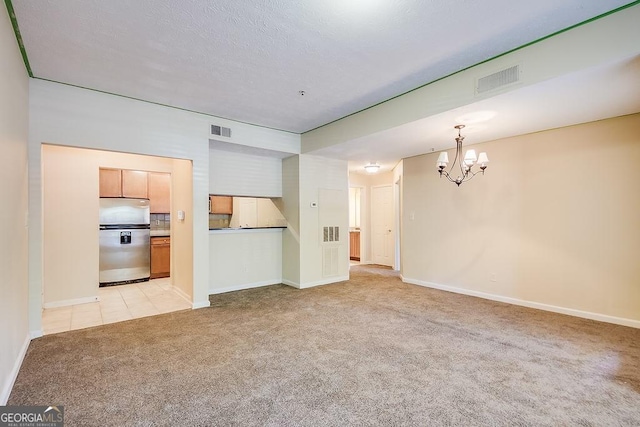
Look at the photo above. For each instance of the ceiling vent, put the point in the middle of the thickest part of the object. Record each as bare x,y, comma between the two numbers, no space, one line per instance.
220,131
498,79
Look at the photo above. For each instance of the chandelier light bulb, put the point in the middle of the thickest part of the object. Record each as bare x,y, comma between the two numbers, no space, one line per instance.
443,159
483,159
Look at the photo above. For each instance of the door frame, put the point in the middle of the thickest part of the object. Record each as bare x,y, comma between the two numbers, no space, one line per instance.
393,232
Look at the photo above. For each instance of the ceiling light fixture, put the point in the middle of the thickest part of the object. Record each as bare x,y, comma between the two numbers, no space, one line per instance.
465,163
372,167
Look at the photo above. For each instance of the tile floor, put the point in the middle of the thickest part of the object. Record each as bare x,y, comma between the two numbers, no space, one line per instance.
116,304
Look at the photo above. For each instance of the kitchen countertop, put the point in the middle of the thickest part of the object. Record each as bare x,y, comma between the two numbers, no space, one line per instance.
160,233
245,229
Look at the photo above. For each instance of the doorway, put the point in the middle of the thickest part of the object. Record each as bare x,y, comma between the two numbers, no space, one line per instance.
382,225
355,221
70,216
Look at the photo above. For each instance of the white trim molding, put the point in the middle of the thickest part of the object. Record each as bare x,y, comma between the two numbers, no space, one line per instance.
201,304
245,286
329,281
314,284
13,375
290,283
531,304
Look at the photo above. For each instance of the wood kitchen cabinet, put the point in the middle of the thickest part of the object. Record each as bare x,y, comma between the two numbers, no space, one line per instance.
123,183
110,182
160,257
221,205
159,192
135,184
354,245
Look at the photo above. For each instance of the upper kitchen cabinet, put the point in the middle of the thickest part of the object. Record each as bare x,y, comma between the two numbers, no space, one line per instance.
135,184
221,205
160,192
123,183
110,183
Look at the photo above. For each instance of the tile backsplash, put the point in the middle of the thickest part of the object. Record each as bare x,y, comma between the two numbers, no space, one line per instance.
219,220
161,221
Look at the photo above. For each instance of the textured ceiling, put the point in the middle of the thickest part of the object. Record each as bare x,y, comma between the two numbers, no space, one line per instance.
247,60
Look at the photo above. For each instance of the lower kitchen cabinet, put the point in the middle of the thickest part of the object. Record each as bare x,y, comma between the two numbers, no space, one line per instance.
354,245
160,257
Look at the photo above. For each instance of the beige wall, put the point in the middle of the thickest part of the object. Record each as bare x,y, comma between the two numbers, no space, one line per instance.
14,92
70,219
182,231
555,219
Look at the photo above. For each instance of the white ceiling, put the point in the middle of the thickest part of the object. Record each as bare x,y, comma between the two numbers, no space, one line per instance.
247,60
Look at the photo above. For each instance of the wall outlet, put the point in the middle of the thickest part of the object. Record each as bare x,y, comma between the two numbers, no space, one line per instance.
492,277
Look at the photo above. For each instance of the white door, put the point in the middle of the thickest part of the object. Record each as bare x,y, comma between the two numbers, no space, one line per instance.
383,244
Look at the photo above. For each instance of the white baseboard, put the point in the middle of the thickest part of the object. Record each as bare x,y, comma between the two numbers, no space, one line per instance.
324,282
201,304
531,304
290,283
11,379
245,286
68,302
35,334
318,283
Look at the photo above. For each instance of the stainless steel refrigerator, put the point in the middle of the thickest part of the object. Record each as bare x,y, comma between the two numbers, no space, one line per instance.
124,241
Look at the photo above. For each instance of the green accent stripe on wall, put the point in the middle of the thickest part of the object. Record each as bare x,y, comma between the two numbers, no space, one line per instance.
16,30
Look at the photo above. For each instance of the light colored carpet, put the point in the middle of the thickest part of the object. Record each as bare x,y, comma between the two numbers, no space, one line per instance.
371,351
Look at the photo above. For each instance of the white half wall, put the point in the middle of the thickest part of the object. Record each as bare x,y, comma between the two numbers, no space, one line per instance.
14,324
553,223
243,259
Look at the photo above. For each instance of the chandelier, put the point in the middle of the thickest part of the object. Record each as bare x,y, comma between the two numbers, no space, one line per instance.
466,164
